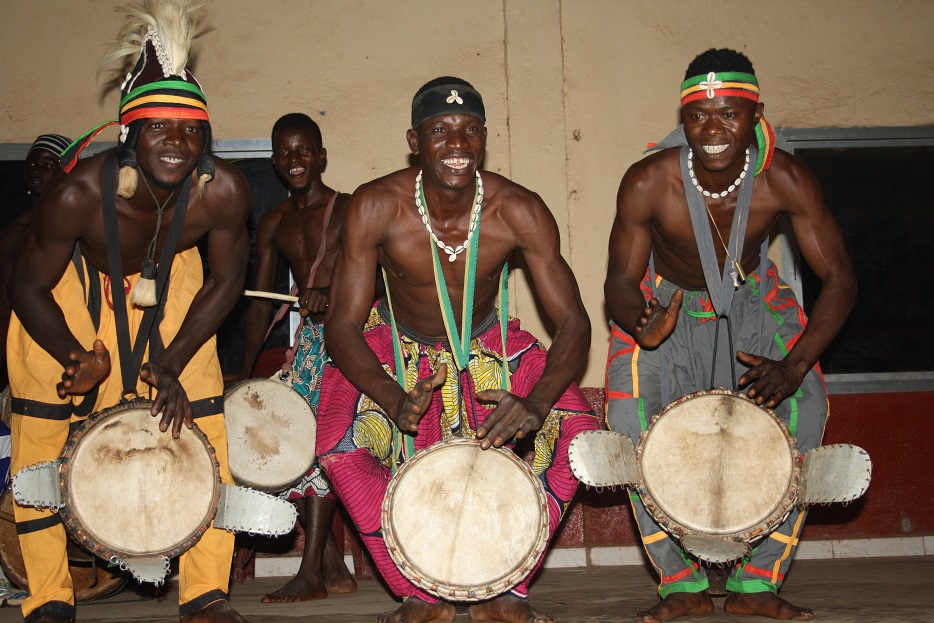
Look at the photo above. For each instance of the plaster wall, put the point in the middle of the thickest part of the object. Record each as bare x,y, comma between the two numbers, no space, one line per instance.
574,89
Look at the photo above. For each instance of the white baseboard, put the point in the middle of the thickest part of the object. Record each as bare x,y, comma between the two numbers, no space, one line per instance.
614,556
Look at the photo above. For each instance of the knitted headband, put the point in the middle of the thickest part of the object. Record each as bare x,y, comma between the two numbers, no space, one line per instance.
449,99
733,84
55,143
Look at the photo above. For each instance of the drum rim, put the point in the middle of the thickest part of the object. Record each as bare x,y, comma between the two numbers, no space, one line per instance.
73,523
750,533
246,481
443,589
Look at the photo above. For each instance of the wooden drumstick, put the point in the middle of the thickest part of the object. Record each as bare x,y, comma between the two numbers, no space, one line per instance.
271,295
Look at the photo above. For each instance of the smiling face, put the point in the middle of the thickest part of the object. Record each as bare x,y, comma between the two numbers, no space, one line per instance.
451,149
297,157
719,130
40,169
168,149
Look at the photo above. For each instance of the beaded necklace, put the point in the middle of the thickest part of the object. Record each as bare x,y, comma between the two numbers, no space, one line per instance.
474,217
707,193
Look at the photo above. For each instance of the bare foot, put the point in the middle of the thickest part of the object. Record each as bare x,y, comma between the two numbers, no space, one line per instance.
337,577
766,605
415,610
299,588
677,605
217,612
510,609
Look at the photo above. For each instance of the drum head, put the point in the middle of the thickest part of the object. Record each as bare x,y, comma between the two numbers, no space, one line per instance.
270,434
464,523
132,490
716,463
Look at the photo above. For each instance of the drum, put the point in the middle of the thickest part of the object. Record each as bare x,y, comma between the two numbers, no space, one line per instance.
92,578
130,491
465,524
270,434
715,463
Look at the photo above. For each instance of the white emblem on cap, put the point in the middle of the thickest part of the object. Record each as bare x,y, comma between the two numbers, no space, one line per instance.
454,98
710,84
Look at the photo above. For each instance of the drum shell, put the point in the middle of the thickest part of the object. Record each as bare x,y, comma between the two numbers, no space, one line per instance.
204,467
90,581
407,540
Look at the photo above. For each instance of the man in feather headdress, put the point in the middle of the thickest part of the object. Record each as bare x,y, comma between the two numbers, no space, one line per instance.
69,348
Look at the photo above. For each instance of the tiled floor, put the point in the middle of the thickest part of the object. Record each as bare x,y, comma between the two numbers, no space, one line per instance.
869,590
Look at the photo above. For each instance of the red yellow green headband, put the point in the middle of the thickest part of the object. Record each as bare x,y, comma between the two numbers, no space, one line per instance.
723,84
733,84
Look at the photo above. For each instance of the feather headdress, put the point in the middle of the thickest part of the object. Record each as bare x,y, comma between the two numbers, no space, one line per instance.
155,45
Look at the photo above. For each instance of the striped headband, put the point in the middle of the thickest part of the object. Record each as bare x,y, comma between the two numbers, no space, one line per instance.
169,99
723,84
733,84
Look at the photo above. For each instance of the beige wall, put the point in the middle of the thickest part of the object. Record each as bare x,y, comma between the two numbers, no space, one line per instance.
573,89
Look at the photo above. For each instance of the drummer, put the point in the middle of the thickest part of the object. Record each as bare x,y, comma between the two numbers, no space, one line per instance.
66,358
659,263
295,229
367,422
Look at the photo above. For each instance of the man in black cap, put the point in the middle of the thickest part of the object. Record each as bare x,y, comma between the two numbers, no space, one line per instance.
422,225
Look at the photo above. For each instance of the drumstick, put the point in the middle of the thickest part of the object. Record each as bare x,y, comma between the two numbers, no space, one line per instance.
271,295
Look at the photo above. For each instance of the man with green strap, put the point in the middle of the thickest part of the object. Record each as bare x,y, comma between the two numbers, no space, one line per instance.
443,234
695,303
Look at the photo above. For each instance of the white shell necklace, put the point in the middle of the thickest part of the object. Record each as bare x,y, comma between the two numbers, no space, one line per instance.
420,202
707,193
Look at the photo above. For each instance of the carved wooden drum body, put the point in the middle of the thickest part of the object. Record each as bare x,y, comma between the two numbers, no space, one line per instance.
465,524
270,434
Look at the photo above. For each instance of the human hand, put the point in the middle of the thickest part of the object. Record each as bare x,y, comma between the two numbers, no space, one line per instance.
413,406
771,381
314,301
512,417
84,370
171,398
657,322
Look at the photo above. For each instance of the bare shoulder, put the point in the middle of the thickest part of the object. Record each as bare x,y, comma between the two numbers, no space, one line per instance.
508,199
652,173
791,183
228,195
385,194
76,194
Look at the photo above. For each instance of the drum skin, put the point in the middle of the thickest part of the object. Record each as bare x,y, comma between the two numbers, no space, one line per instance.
131,490
715,463
270,434
91,581
463,523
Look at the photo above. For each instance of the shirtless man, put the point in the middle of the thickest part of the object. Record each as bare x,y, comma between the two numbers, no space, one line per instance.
775,358
60,361
383,227
294,229
42,166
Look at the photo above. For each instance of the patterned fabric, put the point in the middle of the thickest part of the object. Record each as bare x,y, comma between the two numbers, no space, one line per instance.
355,437
305,376
767,321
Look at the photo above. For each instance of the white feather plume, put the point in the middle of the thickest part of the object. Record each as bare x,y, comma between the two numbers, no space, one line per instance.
172,20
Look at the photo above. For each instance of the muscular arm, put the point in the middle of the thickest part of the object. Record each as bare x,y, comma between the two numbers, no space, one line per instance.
821,243
352,287
46,249
630,245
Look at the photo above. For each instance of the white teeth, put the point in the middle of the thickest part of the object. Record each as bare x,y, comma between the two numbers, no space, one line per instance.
714,149
172,160
456,163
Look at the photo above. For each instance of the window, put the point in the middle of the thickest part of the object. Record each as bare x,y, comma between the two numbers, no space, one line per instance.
875,182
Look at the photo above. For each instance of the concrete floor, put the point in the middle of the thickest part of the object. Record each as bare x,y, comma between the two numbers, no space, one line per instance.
867,590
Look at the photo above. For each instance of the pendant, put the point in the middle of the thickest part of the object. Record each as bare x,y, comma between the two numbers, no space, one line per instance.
735,276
